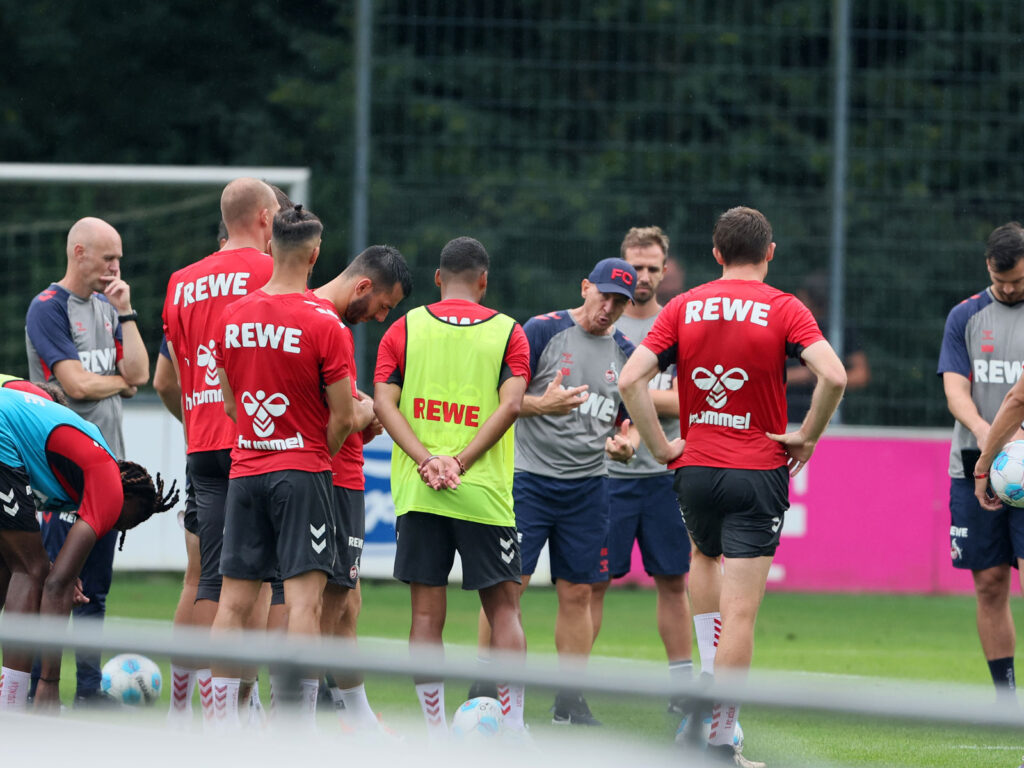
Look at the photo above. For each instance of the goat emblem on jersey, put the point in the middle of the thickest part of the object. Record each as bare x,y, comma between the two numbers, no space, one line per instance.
718,384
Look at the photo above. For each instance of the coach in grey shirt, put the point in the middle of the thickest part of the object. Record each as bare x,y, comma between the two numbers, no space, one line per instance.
81,333
572,406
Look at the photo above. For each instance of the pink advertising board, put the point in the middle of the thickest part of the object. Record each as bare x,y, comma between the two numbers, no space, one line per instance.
869,513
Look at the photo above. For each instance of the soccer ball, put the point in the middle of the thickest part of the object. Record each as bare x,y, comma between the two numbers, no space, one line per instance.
1007,474
478,719
131,679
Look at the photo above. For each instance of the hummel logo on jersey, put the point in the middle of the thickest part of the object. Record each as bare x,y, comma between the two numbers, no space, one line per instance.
719,383
776,524
318,542
204,359
261,407
509,553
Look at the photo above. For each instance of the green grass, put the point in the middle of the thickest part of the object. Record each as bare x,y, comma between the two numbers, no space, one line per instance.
919,638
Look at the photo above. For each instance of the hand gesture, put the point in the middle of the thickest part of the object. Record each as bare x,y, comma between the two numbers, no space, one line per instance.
619,447
675,450
560,401
118,293
798,448
440,473
79,597
984,494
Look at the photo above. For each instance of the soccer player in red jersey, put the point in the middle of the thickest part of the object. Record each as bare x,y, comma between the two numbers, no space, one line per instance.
282,361
369,287
196,297
730,339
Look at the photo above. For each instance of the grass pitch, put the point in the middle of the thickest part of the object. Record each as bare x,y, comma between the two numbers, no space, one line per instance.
920,638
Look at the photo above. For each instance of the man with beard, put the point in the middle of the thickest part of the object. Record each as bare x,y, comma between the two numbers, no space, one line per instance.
642,504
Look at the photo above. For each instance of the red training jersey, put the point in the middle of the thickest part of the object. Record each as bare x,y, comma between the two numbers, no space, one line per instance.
731,340
279,352
196,297
347,465
391,353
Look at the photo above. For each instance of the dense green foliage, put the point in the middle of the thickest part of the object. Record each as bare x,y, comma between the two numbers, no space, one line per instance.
546,130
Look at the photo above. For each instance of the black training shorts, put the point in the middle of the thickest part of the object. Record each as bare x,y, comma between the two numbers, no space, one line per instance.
735,512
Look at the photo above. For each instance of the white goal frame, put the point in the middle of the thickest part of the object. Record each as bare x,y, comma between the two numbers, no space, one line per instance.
294,180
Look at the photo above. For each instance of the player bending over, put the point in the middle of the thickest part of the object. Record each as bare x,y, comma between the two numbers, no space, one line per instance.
49,450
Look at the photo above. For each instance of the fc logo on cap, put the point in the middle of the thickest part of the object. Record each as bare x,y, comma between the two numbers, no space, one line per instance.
623,275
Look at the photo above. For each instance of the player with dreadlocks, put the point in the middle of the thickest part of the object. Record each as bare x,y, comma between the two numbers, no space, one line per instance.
48,450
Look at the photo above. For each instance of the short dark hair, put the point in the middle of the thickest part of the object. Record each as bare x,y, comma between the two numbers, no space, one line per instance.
385,266
149,493
1005,247
283,201
464,254
295,226
742,235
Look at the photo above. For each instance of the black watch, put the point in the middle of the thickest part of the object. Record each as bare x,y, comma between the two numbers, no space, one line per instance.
132,317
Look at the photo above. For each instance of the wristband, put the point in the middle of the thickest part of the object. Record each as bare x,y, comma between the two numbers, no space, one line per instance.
49,680
462,467
131,317
980,475
427,460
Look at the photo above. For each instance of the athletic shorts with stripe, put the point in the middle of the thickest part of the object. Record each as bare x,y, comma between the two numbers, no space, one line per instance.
735,512
645,510
279,524
427,544
350,529
572,517
17,506
209,473
979,539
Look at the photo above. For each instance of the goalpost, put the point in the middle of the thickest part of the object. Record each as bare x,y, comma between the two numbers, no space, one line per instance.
167,216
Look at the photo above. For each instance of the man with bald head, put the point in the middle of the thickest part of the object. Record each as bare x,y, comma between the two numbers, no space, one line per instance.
196,297
82,334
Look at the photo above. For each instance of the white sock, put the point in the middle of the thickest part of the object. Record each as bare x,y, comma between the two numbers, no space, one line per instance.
183,683
277,686
204,681
512,698
431,696
709,629
307,709
353,707
723,722
14,687
225,703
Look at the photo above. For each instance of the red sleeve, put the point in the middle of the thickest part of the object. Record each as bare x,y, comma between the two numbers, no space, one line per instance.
26,386
391,353
517,356
335,351
665,332
102,494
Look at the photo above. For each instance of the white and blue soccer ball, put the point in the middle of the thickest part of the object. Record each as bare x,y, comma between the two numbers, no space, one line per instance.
131,679
478,719
1007,474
